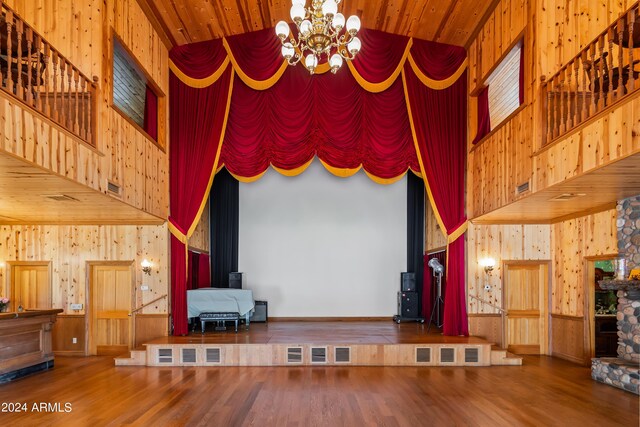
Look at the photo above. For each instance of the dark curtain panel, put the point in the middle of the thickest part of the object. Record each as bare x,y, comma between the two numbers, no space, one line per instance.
224,211
194,269
415,228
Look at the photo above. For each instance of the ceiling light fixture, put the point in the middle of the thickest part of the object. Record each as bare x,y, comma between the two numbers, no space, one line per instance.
320,35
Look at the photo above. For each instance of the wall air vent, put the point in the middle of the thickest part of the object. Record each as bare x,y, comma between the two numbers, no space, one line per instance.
212,355
113,188
188,355
60,198
294,354
165,355
522,188
566,196
447,355
423,355
318,354
471,355
342,355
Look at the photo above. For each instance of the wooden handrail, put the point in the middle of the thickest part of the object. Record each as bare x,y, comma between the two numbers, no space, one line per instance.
502,310
595,79
36,74
147,304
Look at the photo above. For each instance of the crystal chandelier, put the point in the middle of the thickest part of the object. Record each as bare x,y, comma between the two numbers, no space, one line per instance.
320,35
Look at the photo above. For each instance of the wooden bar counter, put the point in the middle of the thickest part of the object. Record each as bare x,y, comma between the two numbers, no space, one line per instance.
25,342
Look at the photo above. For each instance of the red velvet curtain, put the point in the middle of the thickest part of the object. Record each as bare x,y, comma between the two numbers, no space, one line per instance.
484,118
429,288
439,121
204,271
197,124
151,113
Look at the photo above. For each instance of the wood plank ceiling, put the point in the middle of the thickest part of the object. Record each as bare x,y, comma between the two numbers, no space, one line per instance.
446,21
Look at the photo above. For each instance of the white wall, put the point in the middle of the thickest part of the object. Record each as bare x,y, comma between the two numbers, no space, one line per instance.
316,245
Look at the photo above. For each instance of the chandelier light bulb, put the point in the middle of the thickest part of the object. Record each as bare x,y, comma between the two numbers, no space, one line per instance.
353,24
354,46
297,12
329,8
335,62
300,2
282,30
338,21
311,62
305,28
287,51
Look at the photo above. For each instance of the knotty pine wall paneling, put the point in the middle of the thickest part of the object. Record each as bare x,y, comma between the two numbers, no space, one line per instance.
82,32
500,242
70,247
200,237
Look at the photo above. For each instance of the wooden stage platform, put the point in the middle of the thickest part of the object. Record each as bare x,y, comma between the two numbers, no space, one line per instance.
306,343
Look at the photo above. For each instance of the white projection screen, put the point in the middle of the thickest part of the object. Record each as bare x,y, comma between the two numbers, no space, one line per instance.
316,245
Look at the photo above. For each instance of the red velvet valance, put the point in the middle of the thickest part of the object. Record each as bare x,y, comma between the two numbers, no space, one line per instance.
381,113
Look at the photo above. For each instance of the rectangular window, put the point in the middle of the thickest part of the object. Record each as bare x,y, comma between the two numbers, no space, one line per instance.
133,94
504,87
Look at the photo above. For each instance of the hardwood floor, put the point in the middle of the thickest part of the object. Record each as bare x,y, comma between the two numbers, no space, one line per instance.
544,391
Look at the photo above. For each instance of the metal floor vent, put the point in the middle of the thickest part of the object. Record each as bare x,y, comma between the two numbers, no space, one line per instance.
294,354
113,188
471,355
188,355
522,188
342,354
165,355
447,355
423,354
318,354
212,355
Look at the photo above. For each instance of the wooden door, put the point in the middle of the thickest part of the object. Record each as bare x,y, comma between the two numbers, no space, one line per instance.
525,302
30,285
110,298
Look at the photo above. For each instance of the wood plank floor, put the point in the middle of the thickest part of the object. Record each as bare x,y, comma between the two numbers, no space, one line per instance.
365,332
543,392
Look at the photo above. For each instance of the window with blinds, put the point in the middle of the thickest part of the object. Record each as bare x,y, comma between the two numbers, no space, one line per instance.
504,87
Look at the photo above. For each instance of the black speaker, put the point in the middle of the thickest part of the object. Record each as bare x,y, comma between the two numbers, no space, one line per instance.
408,304
261,312
408,282
235,280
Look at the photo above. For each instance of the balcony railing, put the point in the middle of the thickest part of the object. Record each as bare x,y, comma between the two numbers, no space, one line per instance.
35,73
603,73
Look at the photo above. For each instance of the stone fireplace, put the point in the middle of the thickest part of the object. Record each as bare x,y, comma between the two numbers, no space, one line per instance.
623,371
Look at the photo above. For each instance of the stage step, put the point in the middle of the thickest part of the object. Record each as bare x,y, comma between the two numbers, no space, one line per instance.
500,356
136,358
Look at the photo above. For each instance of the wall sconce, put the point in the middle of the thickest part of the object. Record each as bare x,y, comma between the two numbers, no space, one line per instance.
488,264
146,266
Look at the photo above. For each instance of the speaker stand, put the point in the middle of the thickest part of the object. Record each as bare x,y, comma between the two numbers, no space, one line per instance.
437,305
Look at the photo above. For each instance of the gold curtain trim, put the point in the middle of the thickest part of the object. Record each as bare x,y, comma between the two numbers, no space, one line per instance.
177,233
416,173
252,83
199,83
248,179
295,171
340,172
457,232
385,181
196,220
437,84
386,84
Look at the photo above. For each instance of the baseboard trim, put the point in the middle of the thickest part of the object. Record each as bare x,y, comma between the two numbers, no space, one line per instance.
69,353
568,357
330,319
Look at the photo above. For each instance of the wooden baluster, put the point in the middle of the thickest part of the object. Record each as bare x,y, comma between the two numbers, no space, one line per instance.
29,94
601,76
76,78
19,87
593,105
37,92
91,111
9,19
54,101
631,18
83,124
570,102
550,105
621,82
46,107
577,113
61,115
69,122
610,92
585,89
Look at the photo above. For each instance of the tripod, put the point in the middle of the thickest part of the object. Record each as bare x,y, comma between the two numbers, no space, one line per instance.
438,303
